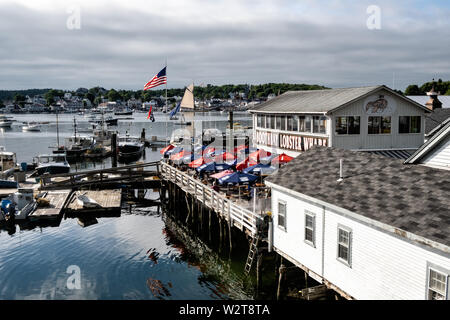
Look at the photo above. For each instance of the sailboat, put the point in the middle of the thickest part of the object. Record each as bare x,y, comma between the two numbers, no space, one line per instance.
186,104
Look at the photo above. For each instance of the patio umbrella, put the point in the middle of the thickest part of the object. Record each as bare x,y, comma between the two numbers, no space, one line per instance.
223,166
243,164
221,174
251,169
268,160
167,148
174,151
224,157
237,178
182,157
198,162
258,154
282,158
206,167
264,170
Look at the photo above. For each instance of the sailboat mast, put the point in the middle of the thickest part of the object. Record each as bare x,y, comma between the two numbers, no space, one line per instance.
57,130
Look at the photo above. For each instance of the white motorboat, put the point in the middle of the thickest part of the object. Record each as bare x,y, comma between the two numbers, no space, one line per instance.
5,122
31,127
51,163
130,147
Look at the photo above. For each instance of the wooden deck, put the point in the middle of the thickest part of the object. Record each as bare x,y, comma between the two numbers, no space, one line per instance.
110,200
231,211
57,200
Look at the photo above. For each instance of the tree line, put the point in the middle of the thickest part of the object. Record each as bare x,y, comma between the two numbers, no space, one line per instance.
96,94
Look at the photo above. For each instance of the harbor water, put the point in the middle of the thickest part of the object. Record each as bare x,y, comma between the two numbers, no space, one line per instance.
138,255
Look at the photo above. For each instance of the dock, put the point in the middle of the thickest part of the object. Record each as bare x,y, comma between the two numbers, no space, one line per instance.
109,200
56,203
131,176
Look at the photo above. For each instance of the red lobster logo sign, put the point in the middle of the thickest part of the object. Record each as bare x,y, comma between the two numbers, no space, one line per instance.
377,106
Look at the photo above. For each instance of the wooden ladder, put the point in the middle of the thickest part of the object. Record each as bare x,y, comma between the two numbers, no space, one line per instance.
251,254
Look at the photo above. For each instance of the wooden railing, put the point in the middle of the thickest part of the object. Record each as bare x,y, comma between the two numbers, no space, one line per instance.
232,212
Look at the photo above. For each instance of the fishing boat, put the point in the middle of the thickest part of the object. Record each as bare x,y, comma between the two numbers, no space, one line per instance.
8,161
31,127
18,206
50,163
124,112
130,147
5,122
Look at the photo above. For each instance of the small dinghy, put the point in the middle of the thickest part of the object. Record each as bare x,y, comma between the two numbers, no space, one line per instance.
87,202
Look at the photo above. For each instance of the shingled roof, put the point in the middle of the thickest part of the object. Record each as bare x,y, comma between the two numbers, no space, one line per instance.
319,101
436,120
408,197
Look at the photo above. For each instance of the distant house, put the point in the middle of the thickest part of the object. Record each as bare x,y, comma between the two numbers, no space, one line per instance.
378,231
67,96
372,119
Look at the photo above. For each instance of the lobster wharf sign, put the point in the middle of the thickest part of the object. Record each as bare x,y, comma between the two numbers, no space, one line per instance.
288,141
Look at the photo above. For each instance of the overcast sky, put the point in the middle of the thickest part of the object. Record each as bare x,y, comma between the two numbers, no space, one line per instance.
122,44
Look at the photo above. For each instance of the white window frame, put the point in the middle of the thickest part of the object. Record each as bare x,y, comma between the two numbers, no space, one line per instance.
313,229
347,262
281,202
445,273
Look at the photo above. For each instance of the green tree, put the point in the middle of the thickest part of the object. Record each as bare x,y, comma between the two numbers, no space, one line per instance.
113,95
90,96
19,99
413,90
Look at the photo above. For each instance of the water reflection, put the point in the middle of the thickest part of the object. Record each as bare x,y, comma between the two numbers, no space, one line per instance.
136,255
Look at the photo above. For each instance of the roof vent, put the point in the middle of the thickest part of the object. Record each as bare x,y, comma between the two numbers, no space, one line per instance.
341,170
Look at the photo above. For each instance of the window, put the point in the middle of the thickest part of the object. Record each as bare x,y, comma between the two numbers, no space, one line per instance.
319,124
282,215
263,121
407,124
307,124
278,119
437,285
295,123
344,245
301,124
283,123
310,228
377,125
290,123
347,125
272,122
258,121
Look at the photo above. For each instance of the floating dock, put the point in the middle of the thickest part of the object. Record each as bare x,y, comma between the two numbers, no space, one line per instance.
57,201
109,200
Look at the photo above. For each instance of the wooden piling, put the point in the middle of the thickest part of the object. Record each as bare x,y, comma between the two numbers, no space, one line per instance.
114,149
281,272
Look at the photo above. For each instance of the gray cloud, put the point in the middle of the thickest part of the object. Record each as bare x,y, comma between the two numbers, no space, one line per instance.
122,46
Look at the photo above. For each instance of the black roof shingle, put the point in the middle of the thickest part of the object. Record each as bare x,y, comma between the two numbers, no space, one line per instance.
413,198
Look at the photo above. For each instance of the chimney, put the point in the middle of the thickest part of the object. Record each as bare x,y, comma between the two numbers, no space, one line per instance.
434,102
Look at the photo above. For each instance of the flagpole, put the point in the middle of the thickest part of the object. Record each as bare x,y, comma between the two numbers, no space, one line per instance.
167,138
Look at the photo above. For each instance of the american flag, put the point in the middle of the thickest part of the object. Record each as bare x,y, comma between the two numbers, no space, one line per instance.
157,80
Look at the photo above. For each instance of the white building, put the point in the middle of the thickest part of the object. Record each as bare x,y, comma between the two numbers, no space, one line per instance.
375,119
380,232
436,151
